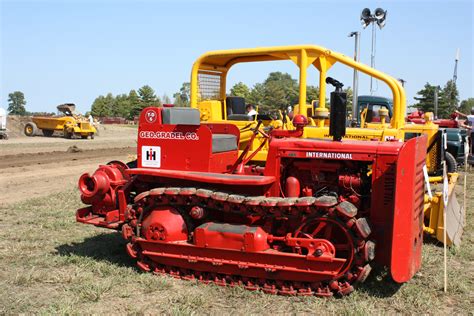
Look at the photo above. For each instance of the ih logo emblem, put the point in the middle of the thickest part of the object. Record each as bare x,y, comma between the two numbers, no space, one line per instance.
151,116
151,156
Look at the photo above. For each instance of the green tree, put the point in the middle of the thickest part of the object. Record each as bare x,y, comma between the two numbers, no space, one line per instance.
312,94
122,106
426,98
257,94
277,92
280,90
450,99
178,101
466,106
135,107
148,97
182,97
16,103
349,95
240,90
109,103
99,107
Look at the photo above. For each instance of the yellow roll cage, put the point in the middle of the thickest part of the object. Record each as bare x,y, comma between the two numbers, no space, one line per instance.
220,61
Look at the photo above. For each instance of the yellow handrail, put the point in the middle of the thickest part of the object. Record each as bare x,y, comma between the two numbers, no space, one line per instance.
303,56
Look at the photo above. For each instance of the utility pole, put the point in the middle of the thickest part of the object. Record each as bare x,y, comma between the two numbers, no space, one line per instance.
355,79
372,57
436,103
366,18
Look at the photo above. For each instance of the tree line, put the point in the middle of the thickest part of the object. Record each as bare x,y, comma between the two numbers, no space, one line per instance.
125,105
129,105
448,99
276,92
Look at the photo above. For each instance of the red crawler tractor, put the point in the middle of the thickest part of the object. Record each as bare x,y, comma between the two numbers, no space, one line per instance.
311,221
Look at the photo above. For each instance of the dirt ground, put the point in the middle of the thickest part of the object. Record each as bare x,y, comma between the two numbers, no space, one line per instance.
49,264
38,166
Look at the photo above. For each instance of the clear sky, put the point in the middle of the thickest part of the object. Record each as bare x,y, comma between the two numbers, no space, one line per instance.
72,51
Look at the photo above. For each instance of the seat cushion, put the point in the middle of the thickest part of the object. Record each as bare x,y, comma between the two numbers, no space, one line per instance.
180,115
223,142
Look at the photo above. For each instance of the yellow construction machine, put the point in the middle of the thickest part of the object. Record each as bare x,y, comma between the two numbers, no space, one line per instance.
70,124
208,94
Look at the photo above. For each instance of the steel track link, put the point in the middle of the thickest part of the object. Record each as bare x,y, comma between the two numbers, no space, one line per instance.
308,208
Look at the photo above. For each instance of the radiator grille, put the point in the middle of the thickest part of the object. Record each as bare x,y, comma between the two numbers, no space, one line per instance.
209,84
419,189
434,154
389,185
86,125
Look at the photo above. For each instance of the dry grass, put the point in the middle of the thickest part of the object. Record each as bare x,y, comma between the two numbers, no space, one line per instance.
49,264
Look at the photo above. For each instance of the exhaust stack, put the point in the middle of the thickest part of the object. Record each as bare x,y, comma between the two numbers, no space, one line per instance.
337,116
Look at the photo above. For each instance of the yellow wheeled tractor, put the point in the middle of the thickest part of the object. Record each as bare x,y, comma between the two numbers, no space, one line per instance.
376,113
208,94
71,124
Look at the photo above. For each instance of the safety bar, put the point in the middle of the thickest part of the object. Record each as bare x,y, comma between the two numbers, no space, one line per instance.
303,56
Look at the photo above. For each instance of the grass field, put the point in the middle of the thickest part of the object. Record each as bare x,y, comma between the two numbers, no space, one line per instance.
51,264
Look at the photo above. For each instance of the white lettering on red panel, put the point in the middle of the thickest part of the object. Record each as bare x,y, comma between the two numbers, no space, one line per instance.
151,116
169,135
317,154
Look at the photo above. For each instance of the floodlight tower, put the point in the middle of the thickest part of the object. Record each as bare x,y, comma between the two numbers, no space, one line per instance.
366,18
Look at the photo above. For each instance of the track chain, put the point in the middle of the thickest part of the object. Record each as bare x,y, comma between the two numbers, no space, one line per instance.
306,207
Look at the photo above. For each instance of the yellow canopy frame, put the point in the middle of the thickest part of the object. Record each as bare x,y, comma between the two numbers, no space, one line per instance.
303,56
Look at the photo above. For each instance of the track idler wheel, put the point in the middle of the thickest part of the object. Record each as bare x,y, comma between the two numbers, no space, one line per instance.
349,236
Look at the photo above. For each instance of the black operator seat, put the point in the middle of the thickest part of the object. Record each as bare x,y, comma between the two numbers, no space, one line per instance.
235,107
190,116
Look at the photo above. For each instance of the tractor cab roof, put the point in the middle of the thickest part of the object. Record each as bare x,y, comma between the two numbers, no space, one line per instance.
373,99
